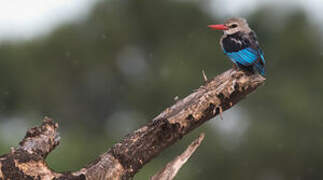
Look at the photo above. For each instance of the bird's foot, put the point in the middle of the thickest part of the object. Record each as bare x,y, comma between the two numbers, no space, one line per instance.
238,74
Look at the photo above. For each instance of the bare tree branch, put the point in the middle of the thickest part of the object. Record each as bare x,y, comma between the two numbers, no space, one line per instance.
27,161
41,140
125,158
171,169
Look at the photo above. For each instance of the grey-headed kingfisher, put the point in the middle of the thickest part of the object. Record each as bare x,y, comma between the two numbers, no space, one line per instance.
239,42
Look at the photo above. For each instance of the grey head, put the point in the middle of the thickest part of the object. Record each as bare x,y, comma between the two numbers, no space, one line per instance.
235,25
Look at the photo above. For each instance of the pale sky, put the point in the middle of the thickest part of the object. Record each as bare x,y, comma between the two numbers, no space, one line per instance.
313,8
26,19
21,19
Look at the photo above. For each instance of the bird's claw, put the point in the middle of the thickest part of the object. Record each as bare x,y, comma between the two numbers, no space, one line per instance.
238,74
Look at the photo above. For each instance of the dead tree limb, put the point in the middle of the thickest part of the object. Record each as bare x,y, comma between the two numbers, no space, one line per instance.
171,169
124,159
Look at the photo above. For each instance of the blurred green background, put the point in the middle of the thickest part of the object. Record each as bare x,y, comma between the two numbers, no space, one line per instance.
112,70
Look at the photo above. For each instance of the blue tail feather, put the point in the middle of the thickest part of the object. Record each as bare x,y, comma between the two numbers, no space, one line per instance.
259,68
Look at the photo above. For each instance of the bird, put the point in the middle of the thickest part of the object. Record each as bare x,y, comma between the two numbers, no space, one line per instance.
239,42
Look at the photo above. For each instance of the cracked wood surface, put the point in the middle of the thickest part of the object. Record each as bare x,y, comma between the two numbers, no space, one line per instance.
124,159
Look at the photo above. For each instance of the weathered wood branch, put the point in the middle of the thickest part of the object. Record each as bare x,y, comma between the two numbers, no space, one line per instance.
171,169
125,158
27,161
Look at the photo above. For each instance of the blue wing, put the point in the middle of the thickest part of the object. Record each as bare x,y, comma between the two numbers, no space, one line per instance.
245,57
249,57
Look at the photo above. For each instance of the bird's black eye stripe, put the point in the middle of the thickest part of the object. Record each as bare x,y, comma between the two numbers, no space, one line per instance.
233,26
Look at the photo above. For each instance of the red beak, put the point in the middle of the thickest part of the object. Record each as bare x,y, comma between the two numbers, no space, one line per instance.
218,27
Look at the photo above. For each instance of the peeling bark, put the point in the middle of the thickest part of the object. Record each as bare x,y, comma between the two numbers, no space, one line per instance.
125,158
27,161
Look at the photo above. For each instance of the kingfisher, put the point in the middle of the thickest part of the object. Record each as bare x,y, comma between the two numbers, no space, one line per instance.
240,44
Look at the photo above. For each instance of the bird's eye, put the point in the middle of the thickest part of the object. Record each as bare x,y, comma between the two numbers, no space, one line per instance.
233,26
